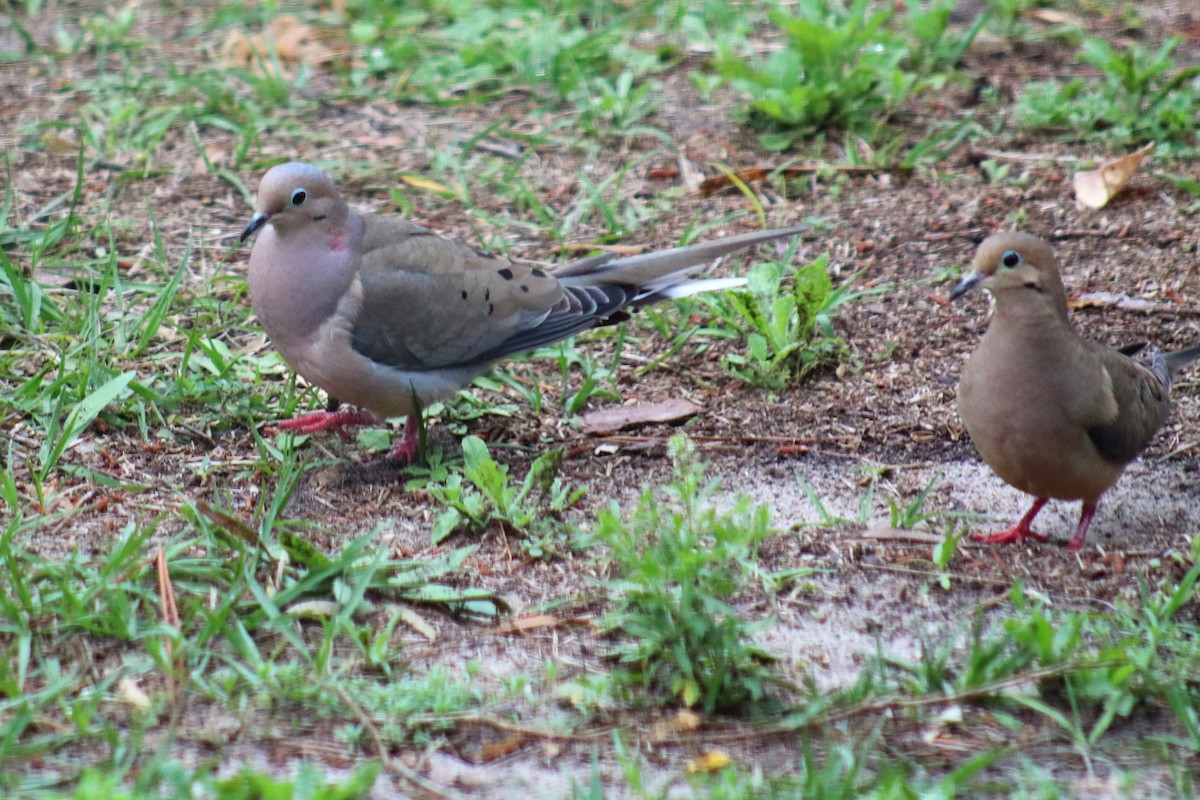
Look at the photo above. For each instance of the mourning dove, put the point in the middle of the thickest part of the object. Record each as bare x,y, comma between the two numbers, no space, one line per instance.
1053,414
383,314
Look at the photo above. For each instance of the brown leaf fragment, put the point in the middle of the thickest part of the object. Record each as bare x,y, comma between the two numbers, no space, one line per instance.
902,535
1094,188
684,721
732,178
716,183
1107,299
494,750
529,623
708,761
671,412
286,37
618,249
230,523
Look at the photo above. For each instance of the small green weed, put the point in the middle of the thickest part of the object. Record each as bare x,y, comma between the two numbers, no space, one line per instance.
598,380
913,513
1143,95
844,67
455,51
616,105
482,496
677,563
788,328
943,553
901,514
263,624
934,47
309,784
171,779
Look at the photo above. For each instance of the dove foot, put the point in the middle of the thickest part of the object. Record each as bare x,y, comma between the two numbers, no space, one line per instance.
408,448
1014,535
327,420
1017,533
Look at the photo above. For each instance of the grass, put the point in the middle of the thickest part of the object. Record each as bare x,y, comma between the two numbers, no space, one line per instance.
1143,95
676,572
481,497
159,586
1072,674
788,329
224,630
846,67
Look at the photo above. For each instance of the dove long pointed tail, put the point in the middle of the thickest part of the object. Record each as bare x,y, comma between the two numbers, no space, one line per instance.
1179,359
658,269
685,288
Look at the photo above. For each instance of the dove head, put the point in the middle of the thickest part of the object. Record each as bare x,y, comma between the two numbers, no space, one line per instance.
1015,267
301,264
293,195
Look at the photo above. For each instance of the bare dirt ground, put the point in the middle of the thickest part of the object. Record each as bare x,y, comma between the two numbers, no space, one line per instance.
890,406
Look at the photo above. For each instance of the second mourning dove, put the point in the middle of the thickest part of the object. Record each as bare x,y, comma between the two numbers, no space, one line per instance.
383,314
1053,414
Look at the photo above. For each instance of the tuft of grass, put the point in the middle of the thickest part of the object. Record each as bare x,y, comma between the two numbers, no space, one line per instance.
481,497
1143,94
901,513
456,51
844,67
132,378
264,627
786,321
167,778
677,565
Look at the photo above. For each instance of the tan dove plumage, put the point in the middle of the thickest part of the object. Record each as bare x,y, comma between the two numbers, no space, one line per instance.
383,314
1053,414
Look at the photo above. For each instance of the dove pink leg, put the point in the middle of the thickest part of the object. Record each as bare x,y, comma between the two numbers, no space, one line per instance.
327,420
410,440
406,450
1085,519
1024,529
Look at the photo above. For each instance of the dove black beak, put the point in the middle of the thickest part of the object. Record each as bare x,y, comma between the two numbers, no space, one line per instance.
968,283
257,221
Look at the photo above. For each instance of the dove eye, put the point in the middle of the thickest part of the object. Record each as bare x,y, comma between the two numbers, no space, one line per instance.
298,197
1011,259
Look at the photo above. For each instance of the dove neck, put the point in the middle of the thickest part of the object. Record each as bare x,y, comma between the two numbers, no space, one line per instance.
1038,318
301,286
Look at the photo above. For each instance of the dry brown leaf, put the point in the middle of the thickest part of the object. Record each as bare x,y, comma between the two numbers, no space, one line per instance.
711,761
418,623
131,694
230,523
1052,17
1094,188
671,411
619,249
716,183
529,623
902,535
494,750
684,721
293,41
1108,299
450,190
